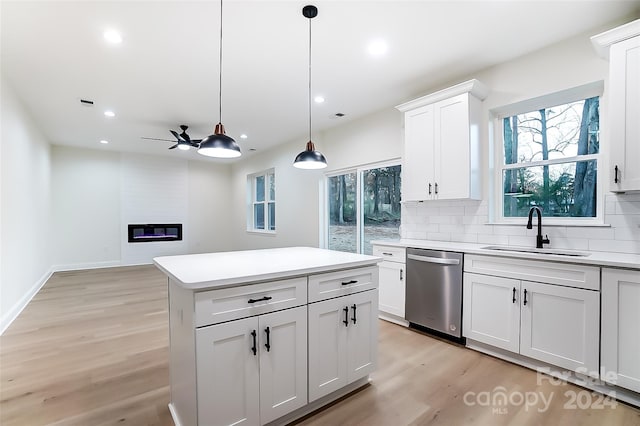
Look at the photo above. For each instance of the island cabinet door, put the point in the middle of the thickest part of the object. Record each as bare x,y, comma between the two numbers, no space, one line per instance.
328,323
362,341
283,362
491,311
561,326
228,373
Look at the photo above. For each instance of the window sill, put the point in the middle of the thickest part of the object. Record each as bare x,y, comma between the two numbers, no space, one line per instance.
545,224
258,232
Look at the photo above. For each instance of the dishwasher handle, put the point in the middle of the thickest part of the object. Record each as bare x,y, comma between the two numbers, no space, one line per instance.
437,260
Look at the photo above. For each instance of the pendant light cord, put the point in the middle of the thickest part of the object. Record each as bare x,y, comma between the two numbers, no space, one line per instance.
309,79
220,82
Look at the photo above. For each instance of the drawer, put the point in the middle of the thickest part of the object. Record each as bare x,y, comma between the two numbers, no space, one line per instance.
341,283
565,274
391,254
215,306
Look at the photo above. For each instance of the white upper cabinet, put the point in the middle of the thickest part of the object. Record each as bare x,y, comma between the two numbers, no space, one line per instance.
441,159
622,46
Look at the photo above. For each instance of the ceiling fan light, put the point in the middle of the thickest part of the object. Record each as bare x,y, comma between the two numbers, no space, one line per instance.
184,146
310,159
219,145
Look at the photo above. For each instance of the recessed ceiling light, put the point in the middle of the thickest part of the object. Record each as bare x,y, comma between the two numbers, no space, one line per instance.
378,47
243,136
104,141
113,37
319,99
109,113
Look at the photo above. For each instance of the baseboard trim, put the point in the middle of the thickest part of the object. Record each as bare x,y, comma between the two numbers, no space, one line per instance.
13,313
90,265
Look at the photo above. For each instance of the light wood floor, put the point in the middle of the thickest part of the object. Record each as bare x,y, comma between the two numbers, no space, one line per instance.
92,349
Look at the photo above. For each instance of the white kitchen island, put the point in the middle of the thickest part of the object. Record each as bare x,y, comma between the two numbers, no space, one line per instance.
266,336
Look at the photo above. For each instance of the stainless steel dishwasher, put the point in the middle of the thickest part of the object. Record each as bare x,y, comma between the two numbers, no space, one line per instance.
434,290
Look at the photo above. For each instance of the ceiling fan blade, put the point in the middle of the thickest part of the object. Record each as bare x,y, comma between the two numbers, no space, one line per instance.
156,139
196,143
172,147
174,133
185,137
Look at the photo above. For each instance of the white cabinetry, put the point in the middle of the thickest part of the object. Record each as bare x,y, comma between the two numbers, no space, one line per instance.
342,341
265,361
441,157
392,288
620,332
622,46
553,321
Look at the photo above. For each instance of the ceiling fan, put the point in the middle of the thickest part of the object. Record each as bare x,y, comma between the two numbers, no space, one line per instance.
184,141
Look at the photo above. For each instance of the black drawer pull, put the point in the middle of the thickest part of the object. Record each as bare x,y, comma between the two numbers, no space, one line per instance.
254,349
349,282
346,316
429,188
354,313
260,300
387,253
514,295
525,297
268,344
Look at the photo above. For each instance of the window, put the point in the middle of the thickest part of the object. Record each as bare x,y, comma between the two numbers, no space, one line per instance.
549,158
362,205
261,216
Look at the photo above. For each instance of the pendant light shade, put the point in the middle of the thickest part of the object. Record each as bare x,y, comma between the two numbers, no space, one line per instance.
219,145
310,158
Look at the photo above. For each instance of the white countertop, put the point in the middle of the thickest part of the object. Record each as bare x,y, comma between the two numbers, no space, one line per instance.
598,258
226,269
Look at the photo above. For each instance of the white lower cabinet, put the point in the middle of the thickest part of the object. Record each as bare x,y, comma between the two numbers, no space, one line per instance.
263,362
620,327
342,341
392,288
555,324
492,310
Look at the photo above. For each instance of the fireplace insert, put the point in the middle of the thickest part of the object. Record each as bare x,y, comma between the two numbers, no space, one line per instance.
142,233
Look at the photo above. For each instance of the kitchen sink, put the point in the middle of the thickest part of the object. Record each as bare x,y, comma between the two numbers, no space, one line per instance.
539,251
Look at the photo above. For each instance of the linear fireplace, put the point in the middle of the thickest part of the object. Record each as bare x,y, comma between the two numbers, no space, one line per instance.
155,232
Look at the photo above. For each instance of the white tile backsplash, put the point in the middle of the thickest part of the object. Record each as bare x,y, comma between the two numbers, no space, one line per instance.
466,221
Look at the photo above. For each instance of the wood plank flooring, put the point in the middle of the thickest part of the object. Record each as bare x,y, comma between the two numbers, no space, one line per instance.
92,349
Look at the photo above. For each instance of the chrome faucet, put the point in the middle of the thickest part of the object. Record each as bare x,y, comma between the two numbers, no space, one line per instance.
539,240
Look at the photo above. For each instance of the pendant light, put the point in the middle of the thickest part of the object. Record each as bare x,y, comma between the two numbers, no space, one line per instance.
218,144
310,158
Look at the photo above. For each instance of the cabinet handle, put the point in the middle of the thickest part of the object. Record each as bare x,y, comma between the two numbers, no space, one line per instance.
514,295
349,282
387,253
354,313
268,344
254,349
346,316
429,188
525,297
401,277
260,300
436,187
615,176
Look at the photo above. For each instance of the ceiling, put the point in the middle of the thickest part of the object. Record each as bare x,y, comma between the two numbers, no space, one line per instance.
165,71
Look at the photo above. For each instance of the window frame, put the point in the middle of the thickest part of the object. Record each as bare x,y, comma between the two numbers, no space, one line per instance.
252,192
496,160
324,201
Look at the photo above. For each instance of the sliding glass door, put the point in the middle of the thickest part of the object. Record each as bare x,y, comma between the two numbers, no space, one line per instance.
363,205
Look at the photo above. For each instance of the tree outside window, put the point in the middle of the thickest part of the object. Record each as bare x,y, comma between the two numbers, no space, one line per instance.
550,159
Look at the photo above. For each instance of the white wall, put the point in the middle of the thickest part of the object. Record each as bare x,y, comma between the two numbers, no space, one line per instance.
25,206
86,208
297,202
97,193
567,64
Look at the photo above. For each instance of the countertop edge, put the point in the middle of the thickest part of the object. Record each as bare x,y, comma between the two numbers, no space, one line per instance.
603,259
